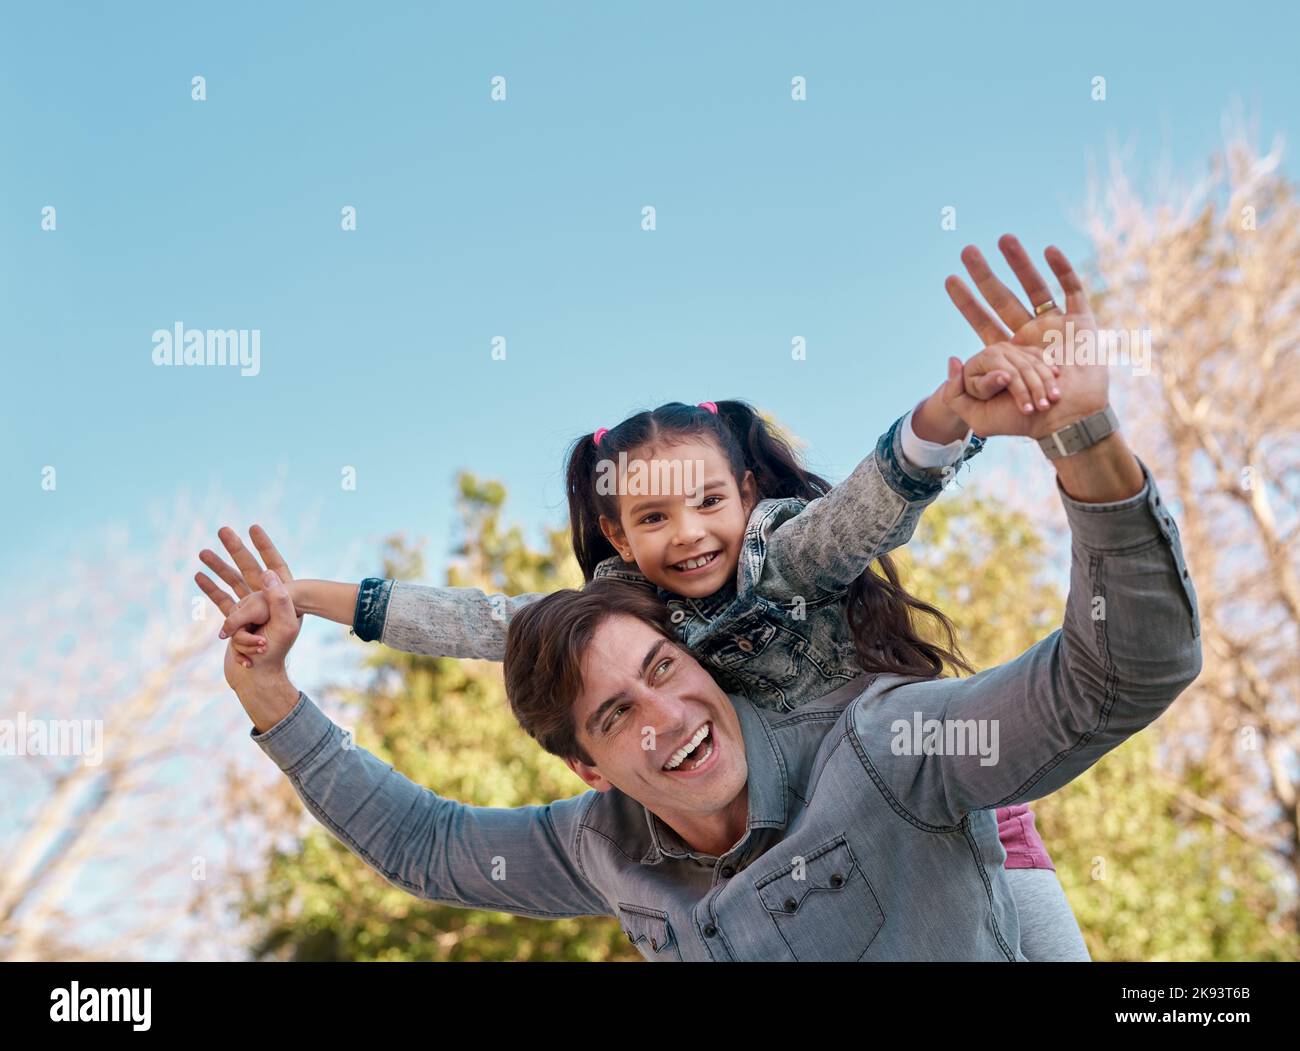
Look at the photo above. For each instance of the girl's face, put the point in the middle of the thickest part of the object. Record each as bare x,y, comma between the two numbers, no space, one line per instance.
681,516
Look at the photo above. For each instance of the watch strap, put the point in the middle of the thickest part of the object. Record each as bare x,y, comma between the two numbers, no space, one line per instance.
1077,436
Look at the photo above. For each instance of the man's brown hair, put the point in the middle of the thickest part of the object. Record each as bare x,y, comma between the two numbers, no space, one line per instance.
544,649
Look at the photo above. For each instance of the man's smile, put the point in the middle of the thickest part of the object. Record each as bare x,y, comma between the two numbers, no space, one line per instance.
694,755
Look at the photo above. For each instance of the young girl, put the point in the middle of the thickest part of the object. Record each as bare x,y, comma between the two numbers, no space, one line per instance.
765,567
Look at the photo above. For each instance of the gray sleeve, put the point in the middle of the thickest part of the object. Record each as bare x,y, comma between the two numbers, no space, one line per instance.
834,538
521,860
438,622
1129,645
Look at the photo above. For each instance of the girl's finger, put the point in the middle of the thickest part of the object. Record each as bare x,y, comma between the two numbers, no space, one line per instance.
243,557
1000,298
1046,373
270,555
987,386
219,598
244,640
251,611
984,324
1036,288
1034,382
215,563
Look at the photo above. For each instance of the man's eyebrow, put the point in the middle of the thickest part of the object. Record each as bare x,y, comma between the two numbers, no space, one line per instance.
594,719
656,501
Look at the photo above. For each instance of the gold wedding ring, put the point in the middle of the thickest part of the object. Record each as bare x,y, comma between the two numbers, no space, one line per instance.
1043,308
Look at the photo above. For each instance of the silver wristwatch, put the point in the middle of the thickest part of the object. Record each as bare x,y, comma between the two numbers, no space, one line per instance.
1077,436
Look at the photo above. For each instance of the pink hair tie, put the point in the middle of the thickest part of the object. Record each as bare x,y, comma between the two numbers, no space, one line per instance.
711,406
599,435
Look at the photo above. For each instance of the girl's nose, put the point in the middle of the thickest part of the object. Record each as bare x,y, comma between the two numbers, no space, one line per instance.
690,530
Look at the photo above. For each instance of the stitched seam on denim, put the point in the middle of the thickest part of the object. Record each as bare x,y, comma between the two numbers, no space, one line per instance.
612,842
571,855
1095,575
969,837
852,734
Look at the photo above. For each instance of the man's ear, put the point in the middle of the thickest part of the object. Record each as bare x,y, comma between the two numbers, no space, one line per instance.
749,492
614,534
589,774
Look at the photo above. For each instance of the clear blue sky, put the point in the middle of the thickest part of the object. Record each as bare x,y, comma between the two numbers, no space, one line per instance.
522,219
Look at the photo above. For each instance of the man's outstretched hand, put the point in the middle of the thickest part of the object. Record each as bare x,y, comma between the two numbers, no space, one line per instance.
1084,388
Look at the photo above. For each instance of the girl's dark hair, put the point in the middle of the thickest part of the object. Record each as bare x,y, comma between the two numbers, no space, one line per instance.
881,614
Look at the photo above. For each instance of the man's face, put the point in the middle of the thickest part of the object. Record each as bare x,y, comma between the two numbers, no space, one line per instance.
644,702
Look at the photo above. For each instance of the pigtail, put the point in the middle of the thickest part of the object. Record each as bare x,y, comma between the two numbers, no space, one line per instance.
775,464
589,543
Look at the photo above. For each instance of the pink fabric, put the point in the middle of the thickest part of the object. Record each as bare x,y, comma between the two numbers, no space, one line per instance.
1020,839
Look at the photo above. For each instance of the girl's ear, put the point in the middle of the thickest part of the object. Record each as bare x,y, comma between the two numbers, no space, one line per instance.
749,492
618,540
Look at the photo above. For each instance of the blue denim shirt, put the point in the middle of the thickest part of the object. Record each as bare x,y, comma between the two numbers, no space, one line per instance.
778,634
854,850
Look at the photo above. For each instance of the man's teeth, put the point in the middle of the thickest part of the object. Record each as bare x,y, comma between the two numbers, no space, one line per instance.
689,747
695,563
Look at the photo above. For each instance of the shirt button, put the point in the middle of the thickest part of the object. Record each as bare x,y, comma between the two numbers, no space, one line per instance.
837,880
790,905
745,645
678,616
654,947
710,930
727,872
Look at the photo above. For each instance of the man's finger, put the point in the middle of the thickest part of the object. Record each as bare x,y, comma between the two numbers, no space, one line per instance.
1036,288
244,558
270,555
984,324
1076,297
1005,302
219,598
215,563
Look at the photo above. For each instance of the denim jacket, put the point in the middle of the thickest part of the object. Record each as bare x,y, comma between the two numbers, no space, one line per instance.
854,849
778,634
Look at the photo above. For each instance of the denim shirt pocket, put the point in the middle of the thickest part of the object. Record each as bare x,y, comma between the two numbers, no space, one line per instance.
651,933
822,904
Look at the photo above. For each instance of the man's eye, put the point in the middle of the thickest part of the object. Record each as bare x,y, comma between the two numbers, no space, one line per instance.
614,718
662,665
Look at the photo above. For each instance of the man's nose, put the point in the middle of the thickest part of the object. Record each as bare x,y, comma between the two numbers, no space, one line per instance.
665,720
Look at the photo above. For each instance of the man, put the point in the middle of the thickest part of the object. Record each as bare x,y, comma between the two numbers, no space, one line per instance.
717,831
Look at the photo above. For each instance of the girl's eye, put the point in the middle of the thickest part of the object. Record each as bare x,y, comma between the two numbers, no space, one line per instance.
709,501
651,518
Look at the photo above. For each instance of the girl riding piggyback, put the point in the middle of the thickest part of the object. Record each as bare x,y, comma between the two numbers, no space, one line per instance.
776,581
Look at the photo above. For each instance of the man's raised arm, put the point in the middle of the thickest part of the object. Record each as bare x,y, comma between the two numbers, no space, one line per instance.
521,860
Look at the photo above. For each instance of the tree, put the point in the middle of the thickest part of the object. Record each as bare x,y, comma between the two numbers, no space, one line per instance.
1212,273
